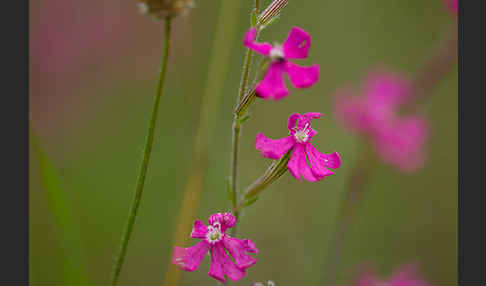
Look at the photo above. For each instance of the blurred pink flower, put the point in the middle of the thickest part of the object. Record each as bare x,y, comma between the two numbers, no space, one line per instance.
452,5
399,139
299,138
215,240
296,46
403,276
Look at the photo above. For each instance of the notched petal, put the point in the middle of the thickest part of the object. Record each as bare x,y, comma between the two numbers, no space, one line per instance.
273,85
297,44
273,149
188,259
302,77
249,42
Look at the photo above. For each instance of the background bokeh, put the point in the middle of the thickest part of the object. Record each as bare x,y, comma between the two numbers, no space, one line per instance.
93,70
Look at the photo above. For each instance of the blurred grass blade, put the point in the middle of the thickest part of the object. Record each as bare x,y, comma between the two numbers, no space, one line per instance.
74,272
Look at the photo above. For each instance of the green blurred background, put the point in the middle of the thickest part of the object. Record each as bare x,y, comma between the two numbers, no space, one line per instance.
93,70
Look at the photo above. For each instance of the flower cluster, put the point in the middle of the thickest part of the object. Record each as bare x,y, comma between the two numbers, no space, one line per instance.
399,139
213,237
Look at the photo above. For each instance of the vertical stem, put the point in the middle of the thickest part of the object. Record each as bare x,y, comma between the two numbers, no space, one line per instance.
220,56
237,124
234,173
352,198
434,69
146,158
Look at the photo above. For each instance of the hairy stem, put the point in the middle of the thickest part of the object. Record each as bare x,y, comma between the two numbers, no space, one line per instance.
237,120
220,57
146,158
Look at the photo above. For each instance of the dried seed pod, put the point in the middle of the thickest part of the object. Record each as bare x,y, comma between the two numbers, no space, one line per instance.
272,11
162,9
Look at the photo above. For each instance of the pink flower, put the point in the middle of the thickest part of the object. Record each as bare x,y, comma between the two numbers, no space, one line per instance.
398,139
300,135
403,276
296,46
214,239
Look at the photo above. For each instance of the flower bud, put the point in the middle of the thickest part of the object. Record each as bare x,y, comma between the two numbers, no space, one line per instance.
272,174
271,11
161,9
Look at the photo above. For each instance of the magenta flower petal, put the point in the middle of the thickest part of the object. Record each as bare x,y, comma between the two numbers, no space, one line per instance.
298,164
300,121
188,259
293,164
332,160
398,139
297,44
367,279
273,149
300,135
226,220
250,246
317,162
293,118
249,42
301,77
406,276
401,143
237,248
304,168
452,5
386,90
350,111
221,264
215,240
273,84
403,276
312,115
199,230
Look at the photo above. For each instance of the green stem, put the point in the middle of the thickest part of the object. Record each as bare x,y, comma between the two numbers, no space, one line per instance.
354,193
146,158
237,119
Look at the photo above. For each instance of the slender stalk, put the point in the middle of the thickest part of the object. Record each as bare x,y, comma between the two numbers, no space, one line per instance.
353,197
434,69
237,119
146,158
220,57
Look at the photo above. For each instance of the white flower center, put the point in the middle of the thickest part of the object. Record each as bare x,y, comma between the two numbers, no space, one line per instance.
302,135
214,234
276,53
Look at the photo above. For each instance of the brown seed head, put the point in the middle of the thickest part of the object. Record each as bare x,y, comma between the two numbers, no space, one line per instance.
162,9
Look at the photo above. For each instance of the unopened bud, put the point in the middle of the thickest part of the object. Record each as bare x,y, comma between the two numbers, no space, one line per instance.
272,11
161,9
272,174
